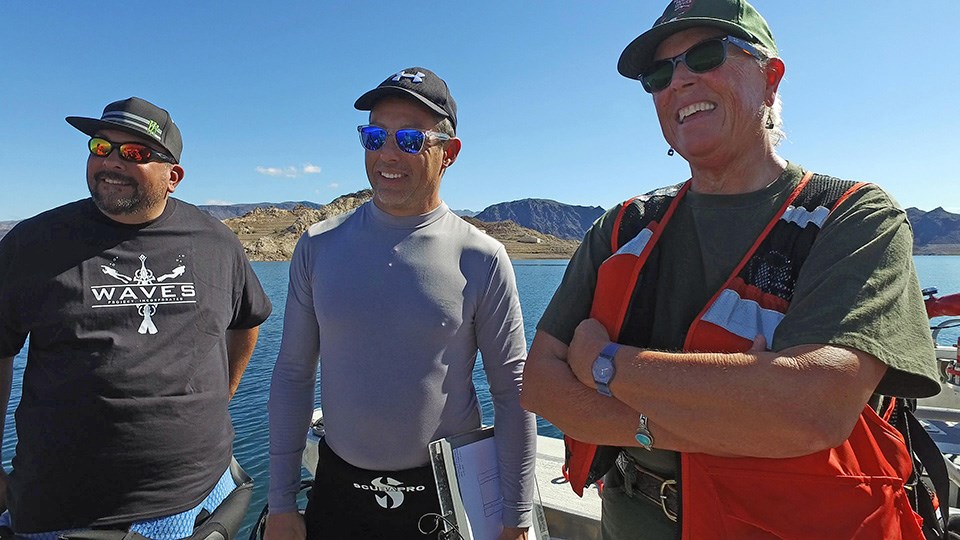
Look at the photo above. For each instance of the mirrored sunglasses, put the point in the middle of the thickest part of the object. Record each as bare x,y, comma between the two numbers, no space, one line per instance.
701,58
410,141
132,152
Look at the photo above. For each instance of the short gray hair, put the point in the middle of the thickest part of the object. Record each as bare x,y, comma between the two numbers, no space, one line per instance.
773,115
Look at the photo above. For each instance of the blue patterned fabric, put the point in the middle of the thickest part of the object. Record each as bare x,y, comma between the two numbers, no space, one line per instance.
5,522
173,527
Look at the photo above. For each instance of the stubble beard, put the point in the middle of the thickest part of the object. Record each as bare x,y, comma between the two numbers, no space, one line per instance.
136,203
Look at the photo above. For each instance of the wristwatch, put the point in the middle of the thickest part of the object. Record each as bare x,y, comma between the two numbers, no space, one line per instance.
603,368
643,435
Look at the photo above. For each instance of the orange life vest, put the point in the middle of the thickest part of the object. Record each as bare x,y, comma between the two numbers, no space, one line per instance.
855,490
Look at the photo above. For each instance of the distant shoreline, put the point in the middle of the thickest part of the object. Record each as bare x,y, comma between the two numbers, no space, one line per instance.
536,256
549,257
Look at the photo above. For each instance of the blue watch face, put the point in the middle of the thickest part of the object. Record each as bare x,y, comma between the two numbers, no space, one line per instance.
602,370
644,439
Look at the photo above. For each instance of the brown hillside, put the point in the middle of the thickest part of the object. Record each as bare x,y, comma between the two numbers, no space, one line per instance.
512,237
271,234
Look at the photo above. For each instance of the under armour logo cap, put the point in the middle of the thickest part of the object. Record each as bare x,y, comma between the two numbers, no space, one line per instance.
419,83
138,117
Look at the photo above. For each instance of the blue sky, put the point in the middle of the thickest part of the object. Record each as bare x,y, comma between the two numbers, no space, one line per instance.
263,93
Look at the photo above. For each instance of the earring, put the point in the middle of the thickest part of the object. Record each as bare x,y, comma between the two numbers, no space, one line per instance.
670,151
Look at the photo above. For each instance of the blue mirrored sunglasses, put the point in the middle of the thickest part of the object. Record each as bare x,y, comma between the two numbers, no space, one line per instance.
700,58
410,141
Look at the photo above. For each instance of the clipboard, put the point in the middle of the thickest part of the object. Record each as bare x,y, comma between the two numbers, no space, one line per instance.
467,474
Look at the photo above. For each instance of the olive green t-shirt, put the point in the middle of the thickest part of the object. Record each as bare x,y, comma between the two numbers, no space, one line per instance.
858,289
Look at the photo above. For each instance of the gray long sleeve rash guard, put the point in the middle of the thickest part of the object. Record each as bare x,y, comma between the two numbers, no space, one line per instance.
395,309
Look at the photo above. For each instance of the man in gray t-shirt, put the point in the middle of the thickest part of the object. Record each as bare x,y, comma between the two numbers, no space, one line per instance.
394,300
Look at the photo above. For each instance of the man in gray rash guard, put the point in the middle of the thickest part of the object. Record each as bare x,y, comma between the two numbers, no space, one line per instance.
394,300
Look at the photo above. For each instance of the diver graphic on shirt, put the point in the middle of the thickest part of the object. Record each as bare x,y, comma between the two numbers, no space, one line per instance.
145,291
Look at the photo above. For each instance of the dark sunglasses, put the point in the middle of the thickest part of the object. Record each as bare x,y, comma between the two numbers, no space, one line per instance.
410,141
700,58
131,151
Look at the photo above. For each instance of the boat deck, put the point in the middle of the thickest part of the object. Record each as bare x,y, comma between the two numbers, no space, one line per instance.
568,516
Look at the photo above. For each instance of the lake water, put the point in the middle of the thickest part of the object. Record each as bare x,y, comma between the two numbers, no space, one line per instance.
536,281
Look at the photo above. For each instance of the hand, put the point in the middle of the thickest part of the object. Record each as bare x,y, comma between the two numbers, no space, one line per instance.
759,344
589,339
285,526
513,533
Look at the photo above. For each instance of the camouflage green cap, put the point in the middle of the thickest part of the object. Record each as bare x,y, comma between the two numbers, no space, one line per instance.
736,17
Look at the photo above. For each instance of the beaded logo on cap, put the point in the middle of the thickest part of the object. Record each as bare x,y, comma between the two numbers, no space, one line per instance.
682,6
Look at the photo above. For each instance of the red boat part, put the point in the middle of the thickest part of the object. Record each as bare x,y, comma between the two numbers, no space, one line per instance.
944,306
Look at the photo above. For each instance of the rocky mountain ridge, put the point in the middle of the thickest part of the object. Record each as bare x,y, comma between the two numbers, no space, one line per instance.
227,211
270,234
545,215
936,232
270,230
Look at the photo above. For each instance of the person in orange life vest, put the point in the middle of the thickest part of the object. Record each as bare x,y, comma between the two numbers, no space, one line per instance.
721,341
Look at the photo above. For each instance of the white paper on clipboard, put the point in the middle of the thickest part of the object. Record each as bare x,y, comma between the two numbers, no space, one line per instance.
468,483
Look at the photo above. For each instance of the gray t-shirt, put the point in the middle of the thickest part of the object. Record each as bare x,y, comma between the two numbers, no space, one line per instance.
396,309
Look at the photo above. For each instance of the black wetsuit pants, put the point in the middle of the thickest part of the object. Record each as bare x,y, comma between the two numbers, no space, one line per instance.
349,502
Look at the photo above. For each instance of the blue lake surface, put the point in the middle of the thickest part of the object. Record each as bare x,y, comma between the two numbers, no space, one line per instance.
536,281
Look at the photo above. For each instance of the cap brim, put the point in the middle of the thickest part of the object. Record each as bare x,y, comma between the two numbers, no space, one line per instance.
638,55
91,126
368,100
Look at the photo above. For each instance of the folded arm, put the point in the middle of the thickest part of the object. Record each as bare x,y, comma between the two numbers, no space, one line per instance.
758,403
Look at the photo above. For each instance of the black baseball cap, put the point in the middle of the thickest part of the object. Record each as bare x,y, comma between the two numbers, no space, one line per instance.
419,83
736,17
138,117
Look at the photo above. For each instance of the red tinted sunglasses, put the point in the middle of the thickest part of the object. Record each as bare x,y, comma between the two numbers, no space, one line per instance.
132,152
